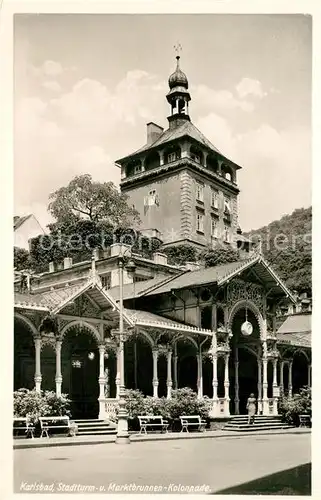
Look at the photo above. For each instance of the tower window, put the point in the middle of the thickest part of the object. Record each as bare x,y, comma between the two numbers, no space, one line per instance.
196,158
227,204
214,227
200,222
199,191
137,169
214,198
171,157
227,235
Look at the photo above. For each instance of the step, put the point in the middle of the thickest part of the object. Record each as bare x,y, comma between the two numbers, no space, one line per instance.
84,428
258,426
97,432
258,429
89,420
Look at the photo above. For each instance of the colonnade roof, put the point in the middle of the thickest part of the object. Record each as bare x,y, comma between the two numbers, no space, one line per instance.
296,323
220,275
295,339
149,319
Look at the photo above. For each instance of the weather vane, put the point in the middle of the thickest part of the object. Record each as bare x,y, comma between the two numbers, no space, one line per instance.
178,49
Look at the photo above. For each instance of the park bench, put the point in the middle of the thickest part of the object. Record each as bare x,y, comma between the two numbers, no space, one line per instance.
152,423
305,420
54,424
192,422
22,425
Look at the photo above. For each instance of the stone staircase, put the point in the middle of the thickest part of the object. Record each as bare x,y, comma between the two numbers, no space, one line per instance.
95,427
261,423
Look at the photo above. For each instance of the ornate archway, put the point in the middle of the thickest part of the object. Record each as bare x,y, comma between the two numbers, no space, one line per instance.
244,360
24,353
80,368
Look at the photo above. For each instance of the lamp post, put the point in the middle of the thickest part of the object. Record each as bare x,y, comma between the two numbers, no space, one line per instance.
122,424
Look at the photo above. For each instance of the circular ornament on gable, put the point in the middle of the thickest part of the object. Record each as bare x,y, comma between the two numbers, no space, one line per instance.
247,328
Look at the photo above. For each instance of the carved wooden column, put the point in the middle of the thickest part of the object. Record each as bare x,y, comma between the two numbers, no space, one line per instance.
281,377
290,378
199,375
102,381
226,386
58,378
175,359
38,377
265,380
259,386
155,374
215,385
274,387
169,373
237,395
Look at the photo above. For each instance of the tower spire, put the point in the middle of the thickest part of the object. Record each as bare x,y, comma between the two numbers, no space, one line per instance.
178,96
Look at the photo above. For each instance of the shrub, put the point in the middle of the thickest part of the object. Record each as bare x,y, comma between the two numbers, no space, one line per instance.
29,404
158,406
58,406
180,254
135,403
291,407
185,402
33,404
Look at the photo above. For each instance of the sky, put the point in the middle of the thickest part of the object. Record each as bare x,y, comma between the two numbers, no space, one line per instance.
86,85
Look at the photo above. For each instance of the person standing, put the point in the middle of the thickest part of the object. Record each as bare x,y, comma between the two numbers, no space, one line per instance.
251,408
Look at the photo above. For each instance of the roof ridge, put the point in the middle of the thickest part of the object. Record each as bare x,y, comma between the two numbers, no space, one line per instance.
163,282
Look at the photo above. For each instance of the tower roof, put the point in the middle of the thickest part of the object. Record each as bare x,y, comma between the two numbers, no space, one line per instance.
187,129
178,78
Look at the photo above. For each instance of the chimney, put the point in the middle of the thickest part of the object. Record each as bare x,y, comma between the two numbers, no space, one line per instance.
67,263
153,132
51,267
160,258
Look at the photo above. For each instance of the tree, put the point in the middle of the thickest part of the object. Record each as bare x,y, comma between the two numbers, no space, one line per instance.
21,259
217,256
97,202
287,245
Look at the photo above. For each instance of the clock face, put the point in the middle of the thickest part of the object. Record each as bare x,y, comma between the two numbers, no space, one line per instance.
247,328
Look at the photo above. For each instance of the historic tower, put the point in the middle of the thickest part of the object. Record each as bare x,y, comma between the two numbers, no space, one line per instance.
180,183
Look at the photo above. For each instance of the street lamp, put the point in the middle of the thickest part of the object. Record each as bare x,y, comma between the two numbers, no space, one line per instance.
122,423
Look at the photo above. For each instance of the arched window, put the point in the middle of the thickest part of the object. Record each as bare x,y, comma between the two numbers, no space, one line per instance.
196,154
133,167
206,318
212,163
152,161
220,317
227,172
172,153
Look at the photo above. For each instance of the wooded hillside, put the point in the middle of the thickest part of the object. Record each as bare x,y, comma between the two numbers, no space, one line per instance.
287,246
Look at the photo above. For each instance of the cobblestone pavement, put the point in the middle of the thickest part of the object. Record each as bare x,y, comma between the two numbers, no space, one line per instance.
178,466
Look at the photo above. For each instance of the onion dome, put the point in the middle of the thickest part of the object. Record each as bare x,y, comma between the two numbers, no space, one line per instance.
178,78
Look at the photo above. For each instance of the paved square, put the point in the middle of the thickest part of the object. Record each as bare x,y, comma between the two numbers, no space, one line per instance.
167,466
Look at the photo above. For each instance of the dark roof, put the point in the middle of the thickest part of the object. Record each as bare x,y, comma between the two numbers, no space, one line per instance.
220,274
199,277
187,128
18,221
296,323
138,289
